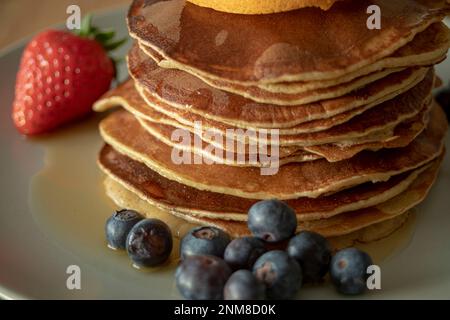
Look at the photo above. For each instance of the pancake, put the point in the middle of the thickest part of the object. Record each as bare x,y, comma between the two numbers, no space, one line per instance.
258,94
404,134
338,225
372,129
162,127
171,195
187,118
289,99
341,123
427,48
420,92
382,118
126,96
190,95
232,155
372,233
278,47
309,179
123,198
347,222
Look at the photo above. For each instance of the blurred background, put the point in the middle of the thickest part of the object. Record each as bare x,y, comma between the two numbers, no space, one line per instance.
21,18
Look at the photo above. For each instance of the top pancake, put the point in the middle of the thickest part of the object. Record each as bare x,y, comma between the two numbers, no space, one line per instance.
427,48
301,45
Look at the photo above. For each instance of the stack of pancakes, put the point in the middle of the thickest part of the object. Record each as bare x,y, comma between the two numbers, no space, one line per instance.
360,137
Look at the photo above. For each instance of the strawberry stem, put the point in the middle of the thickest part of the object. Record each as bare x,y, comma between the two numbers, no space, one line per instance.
86,26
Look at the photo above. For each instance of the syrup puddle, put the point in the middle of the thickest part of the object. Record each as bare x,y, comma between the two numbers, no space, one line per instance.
66,195
385,249
68,202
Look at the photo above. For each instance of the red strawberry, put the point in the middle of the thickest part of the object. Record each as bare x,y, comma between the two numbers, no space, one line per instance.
61,75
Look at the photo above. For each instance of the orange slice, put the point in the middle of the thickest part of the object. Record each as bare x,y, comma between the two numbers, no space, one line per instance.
262,6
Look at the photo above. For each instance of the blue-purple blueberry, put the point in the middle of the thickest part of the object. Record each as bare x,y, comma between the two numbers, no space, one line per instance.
202,277
149,243
313,252
272,220
204,241
241,253
243,285
281,274
118,226
348,271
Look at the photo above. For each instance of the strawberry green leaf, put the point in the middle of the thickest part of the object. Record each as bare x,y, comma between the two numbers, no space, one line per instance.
105,36
114,45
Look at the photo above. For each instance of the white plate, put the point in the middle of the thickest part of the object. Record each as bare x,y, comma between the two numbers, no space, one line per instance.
53,210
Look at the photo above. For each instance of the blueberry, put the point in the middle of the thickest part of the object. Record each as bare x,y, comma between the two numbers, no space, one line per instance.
149,243
348,270
272,220
243,285
313,253
202,277
242,253
204,240
281,274
118,226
